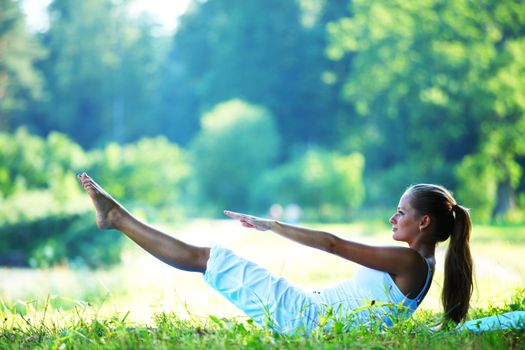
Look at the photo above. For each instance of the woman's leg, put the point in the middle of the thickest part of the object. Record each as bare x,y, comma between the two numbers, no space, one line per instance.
112,215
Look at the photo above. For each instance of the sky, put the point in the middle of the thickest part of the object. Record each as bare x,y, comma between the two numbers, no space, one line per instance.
164,12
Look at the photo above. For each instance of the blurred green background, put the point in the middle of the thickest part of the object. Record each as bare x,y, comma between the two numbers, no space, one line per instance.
322,110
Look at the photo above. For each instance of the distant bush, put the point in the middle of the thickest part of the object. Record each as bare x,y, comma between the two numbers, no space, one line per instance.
45,217
237,143
326,185
38,230
29,162
149,176
59,239
487,181
481,193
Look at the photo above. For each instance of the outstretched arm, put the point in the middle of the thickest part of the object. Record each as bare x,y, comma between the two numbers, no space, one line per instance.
395,260
316,239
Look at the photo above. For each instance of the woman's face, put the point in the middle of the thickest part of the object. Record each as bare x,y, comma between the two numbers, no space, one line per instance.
405,223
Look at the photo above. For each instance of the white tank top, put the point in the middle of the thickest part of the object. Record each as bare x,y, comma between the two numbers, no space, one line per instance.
372,295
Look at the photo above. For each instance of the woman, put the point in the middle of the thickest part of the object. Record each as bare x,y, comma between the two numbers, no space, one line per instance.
390,283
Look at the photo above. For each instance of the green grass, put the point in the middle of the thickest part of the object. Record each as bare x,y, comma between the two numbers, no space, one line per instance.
145,304
45,327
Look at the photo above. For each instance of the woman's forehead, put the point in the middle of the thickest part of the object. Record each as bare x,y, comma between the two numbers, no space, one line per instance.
404,201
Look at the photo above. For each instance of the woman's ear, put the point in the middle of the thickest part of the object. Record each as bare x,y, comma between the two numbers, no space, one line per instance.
425,221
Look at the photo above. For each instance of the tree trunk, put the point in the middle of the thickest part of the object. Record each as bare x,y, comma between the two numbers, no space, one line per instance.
505,201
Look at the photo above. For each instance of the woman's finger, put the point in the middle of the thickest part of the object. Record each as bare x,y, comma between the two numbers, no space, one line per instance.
239,216
233,214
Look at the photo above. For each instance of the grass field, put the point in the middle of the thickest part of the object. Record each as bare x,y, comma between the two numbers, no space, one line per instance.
145,304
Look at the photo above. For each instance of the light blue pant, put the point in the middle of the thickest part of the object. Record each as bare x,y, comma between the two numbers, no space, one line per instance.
509,320
269,300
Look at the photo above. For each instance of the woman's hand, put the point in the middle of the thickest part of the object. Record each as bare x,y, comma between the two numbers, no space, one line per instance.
251,221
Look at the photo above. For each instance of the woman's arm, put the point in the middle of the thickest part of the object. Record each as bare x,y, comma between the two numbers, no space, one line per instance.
395,260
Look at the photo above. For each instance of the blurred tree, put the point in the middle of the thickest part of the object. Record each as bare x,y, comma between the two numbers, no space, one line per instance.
498,170
226,49
22,162
20,82
29,162
326,75
326,185
237,143
42,205
80,70
140,80
151,174
45,217
436,81
101,74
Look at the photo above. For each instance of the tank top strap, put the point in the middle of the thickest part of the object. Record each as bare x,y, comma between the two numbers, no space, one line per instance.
430,265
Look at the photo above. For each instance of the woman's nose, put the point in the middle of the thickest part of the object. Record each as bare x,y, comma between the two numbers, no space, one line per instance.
393,219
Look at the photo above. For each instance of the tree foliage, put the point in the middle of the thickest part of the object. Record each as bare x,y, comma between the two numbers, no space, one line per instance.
326,185
20,81
427,91
45,217
436,82
237,143
101,73
225,49
29,162
151,176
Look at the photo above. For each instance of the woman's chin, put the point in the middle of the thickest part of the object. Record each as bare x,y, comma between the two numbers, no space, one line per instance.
397,237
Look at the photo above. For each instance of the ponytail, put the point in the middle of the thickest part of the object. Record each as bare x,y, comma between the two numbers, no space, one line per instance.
458,284
450,220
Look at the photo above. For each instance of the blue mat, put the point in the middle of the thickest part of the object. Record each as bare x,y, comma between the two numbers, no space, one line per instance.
509,320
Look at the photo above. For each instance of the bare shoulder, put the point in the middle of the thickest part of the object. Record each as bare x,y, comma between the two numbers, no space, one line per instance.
411,262
404,261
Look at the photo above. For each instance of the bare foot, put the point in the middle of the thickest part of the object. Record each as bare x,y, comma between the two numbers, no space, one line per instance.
109,211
